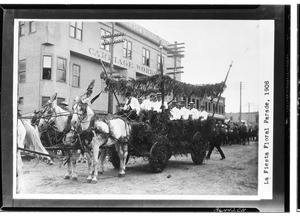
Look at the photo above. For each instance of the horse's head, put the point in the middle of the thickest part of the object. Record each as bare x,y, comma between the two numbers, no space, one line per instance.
82,115
46,114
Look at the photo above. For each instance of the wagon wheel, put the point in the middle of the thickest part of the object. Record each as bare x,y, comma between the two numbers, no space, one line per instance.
114,158
158,157
198,150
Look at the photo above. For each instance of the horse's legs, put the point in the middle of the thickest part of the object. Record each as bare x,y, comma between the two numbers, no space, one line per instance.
74,167
103,153
96,145
69,171
122,150
90,167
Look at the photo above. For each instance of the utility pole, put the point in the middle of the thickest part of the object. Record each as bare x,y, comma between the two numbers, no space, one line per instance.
240,102
162,79
175,51
111,44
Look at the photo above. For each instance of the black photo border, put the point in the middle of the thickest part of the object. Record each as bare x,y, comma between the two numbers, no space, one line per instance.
279,13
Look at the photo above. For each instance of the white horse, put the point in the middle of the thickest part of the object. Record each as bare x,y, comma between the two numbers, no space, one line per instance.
52,113
104,133
28,138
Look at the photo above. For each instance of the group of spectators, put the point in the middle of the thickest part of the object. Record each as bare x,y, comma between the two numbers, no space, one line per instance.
135,110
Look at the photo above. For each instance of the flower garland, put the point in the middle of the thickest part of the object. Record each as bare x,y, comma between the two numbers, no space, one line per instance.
148,85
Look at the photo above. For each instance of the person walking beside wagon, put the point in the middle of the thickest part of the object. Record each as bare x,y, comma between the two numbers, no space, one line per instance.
215,141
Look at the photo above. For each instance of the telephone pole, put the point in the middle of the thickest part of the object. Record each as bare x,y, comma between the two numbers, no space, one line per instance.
111,44
175,51
240,102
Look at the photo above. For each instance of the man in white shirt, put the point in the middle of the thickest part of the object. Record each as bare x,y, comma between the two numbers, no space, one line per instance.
175,112
194,113
203,114
159,103
146,104
184,111
131,107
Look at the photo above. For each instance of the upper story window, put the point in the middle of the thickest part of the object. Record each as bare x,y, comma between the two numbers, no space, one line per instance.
47,67
32,27
104,40
22,28
146,57
127,49
76,30
22,71
158,62
76,75
61,69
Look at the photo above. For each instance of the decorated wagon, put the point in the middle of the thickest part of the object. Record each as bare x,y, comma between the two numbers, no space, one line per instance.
159,138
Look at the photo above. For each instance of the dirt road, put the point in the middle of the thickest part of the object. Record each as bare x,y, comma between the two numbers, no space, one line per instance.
236,175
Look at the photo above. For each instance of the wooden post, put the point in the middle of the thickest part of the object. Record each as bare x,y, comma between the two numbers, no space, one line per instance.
222,89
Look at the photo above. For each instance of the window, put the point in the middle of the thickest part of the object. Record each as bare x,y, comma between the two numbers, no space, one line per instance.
61,69
22,28
21,100
44,100
47,66
22,71
158,62
206,108
59,100
32,27
146,57
76,30
197,104
104,40
127,49
76,75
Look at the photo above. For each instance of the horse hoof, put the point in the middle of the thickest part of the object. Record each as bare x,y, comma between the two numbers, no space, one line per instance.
121,175
94,181
74,178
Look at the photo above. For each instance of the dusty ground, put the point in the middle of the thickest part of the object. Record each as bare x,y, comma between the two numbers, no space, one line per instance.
236,175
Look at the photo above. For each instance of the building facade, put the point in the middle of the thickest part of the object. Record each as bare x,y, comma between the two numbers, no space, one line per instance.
250,118
63,57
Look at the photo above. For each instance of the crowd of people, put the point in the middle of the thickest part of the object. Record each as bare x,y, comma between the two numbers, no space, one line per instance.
133,109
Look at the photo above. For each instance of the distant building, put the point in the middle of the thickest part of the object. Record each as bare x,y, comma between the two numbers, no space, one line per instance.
251,118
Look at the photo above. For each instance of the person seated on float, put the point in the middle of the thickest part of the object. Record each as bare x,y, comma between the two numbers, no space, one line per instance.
194,113
131,107
184,111
159,103
175,111
145,107
203,114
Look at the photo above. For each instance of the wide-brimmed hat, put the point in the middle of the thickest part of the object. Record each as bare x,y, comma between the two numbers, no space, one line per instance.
158,94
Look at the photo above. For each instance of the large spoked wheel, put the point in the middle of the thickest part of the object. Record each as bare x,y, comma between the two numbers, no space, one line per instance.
198,150
115,159
158,156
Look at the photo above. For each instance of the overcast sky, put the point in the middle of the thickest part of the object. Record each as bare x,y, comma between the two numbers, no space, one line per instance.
210,46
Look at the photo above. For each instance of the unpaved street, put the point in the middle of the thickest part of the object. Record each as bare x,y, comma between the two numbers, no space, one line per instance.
236,175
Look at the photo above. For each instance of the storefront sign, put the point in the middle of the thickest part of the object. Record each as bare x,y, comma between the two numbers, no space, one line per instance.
121,62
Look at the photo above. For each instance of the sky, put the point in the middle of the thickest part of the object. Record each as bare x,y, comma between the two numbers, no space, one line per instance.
211,46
